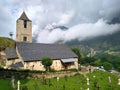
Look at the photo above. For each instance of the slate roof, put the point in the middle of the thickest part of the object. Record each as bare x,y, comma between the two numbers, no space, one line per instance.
24,17
17,65
36,51
11,53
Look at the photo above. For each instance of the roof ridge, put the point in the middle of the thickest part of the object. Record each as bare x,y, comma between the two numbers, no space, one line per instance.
41,43
24,17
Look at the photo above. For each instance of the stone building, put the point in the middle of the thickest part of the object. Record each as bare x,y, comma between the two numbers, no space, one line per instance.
24,29
28,55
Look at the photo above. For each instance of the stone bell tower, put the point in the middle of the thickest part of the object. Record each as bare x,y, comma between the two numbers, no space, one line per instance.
24,29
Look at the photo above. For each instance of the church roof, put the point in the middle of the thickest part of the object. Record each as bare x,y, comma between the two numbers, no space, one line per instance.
24,17
11,53
37,51
17,65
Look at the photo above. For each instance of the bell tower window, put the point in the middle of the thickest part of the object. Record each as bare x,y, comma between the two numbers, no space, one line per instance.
24,39
25,24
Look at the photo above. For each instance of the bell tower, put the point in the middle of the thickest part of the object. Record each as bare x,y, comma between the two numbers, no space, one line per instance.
24,29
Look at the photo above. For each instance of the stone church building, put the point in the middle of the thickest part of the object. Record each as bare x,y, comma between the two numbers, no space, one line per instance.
28,55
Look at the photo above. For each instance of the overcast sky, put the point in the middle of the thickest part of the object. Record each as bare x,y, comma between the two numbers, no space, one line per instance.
84,18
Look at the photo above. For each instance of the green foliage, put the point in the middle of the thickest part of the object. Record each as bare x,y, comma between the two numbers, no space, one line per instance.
88,60
113,60
78,53
107,66
6,42
116,63
24,87
104,58
47,62
96,63
118,68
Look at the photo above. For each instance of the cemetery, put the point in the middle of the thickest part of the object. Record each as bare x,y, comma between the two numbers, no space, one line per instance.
97,80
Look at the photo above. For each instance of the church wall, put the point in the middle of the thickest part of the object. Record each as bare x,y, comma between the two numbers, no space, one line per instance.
36,65
13,61
56,65
76,63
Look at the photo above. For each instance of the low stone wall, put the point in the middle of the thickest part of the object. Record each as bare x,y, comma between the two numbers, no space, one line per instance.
34,75
54,75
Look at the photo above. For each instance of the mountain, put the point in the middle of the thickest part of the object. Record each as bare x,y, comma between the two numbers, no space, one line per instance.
61,27
107,42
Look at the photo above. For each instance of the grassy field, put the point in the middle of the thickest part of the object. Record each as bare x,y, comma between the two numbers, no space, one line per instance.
5,85
77,82
6,42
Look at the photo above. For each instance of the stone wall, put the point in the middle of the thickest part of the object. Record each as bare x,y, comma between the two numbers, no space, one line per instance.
23,32
32,75
54,74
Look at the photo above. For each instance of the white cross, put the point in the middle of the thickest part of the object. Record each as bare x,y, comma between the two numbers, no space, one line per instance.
57,78
88,81
119,81
18,85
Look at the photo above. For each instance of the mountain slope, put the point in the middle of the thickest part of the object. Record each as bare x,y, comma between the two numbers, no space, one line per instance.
108,42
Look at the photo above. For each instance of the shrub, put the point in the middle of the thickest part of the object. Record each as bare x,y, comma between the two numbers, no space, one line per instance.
24,87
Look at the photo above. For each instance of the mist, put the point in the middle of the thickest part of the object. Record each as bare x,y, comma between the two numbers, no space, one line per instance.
80,32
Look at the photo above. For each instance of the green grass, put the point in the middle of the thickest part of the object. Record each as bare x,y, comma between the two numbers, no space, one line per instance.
6,42
5,85
70,83
103,80
76,82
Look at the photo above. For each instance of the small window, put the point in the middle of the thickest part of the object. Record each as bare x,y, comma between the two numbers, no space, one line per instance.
24,39
25,24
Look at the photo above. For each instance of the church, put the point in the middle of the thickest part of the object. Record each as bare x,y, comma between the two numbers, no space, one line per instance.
28,55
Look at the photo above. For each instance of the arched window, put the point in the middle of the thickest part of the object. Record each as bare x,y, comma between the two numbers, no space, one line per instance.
24,39
25,24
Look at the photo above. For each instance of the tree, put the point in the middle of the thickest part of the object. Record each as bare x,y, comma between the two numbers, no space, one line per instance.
104,58
96,63
107,66
47,62
78,53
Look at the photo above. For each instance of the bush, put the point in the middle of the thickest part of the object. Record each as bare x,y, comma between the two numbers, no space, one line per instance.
24,87
52,70
107,66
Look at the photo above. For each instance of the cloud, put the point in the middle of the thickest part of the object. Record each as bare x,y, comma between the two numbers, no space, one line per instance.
81,16
80,32
65,18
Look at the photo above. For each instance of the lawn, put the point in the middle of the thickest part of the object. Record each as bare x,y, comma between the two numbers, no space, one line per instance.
100,81
5,85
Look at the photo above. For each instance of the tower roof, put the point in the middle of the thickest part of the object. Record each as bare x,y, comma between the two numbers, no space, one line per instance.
24,17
